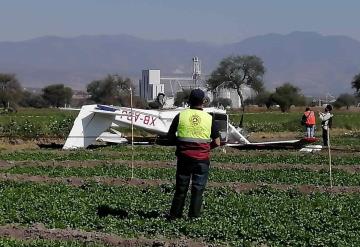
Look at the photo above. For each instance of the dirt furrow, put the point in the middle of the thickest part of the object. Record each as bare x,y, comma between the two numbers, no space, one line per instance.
39,231
236,186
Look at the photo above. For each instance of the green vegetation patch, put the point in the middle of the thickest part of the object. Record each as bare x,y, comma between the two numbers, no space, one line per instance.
148,154
261,216
40,127
275,121
52,122
52,156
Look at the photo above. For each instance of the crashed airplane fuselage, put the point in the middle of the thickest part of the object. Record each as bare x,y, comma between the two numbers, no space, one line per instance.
93,120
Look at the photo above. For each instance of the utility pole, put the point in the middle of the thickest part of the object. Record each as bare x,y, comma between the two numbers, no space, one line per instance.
116,79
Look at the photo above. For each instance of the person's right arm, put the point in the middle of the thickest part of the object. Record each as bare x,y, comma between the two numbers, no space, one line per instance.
325,116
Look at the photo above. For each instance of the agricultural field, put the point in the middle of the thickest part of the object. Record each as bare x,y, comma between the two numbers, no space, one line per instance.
51,197
36,123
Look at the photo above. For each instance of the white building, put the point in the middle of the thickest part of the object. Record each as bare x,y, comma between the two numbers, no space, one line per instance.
232,94
149,84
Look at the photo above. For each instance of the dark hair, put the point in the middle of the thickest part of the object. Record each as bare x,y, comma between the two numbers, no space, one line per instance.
328,108
196,97
307,109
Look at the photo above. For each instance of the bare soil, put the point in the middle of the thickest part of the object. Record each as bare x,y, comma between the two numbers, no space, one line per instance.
236,186
39,231
273,136
12,144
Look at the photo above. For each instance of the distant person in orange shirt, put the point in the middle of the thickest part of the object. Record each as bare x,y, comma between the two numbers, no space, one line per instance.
309,121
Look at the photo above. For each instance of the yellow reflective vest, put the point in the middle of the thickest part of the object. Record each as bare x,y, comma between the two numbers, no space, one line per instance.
194,126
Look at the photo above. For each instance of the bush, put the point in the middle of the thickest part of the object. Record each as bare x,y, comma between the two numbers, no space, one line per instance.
32,129
61,128
25,129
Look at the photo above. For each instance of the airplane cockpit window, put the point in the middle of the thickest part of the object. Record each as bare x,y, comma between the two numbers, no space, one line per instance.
222,121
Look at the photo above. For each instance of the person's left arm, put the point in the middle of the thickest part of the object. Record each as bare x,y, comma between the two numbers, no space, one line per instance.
215,135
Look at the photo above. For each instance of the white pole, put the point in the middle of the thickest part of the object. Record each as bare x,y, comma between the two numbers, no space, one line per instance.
132,134
329,151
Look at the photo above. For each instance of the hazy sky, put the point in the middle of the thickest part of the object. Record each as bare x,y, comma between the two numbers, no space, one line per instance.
220,21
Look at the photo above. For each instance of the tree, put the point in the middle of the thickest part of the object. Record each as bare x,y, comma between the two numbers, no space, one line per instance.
236,71
57,95
356,83
68,93
139,102
225,102
287,95
345,100
263,99
32,100
112,90
10,90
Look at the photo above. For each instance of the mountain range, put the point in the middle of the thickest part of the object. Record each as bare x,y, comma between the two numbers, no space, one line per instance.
315,63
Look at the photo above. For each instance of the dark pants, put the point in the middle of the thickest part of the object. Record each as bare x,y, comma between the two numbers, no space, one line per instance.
198,172
325,136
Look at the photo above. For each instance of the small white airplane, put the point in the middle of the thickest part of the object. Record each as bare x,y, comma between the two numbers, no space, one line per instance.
93,121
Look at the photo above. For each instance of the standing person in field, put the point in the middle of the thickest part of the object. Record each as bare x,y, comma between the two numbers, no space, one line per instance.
309,120
326,121
195,133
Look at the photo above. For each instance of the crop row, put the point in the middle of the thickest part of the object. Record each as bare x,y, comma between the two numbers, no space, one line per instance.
277,121
256,121
276,176
350,140
262,216
217,151
166,155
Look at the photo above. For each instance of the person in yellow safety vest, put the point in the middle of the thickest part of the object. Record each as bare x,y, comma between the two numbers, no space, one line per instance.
195,133
309,121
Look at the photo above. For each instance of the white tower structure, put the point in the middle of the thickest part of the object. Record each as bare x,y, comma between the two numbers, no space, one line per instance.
196,70
149,84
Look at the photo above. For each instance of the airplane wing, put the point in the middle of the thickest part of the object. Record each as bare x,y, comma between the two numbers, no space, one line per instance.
288,144
110,110
110,113
69,109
